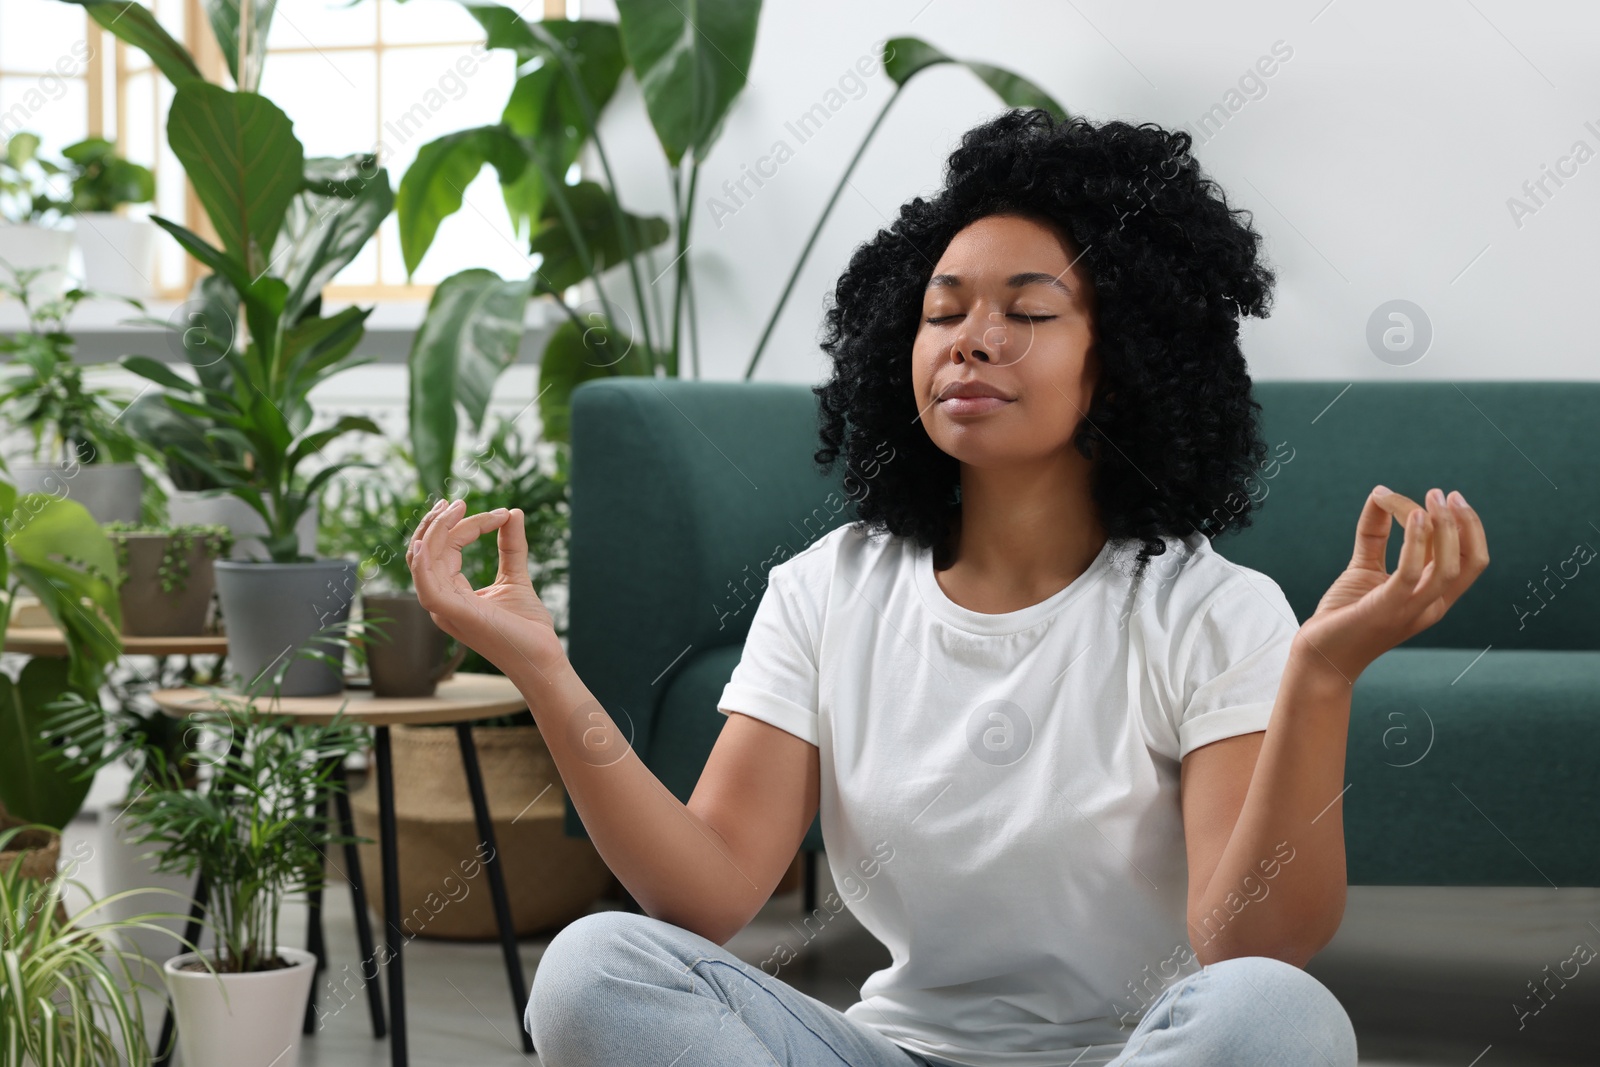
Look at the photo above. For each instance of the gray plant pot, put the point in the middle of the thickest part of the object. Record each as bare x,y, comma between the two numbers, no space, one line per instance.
408,658
151,611
272,610
111,491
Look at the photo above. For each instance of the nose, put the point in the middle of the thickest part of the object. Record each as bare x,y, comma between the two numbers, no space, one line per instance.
980,338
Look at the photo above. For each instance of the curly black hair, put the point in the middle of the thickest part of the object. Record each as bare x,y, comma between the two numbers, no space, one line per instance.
1172,430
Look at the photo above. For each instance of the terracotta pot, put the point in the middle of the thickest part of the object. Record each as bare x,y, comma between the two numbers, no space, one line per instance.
551,878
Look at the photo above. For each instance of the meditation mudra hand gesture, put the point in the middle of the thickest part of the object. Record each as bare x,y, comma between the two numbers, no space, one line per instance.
505,621
1367,611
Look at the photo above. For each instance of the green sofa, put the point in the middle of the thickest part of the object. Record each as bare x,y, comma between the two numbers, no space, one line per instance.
1474,749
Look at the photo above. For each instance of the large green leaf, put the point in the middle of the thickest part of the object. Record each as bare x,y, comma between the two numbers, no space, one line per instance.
65,559
134,24
224,16
342,205
904,57
691,60
240,152
576,354
471,333
564,262
35,784
433,185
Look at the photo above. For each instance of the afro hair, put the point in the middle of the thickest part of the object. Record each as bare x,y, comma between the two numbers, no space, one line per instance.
1172,430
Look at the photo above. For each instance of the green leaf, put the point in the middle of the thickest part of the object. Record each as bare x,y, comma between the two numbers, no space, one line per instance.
134,24
905,57
34,786
157,372
470,334
65,559
575,355
564,265
312,443
327,224
432,187
224,16
691,60
242,157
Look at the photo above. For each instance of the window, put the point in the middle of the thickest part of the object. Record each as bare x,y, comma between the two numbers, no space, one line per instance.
376,75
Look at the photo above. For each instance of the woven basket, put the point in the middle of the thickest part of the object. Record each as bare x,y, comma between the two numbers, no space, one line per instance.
551,878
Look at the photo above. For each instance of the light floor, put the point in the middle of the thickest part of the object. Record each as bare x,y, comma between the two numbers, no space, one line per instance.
1431,976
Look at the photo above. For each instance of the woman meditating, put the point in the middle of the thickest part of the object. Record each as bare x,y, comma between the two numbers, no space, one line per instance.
1078,772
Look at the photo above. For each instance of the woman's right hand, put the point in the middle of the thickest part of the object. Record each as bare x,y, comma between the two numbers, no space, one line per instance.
505,621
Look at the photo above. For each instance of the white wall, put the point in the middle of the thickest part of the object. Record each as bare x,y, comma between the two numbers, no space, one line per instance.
1379,161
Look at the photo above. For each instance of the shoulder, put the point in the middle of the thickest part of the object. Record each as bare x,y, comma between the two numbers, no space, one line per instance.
1192,581
852,548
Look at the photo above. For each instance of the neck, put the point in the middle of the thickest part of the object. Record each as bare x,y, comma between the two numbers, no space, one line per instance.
1022,532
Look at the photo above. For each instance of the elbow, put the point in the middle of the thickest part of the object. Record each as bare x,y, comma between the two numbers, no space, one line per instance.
1294,942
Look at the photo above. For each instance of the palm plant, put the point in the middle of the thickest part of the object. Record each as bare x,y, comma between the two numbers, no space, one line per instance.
69,997
247,832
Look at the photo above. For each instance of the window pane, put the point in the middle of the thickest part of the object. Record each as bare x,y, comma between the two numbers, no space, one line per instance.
57,110
329,96
35,34
429,92
421,21
320,23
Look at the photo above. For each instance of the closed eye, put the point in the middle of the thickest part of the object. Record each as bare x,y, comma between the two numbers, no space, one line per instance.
937,319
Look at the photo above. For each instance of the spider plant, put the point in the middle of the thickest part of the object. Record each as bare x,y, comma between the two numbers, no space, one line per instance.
69,997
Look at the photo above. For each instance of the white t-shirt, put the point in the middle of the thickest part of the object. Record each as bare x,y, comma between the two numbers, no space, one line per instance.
999,793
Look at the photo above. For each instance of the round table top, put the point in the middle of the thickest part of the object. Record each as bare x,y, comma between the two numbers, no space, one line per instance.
463,697
47,641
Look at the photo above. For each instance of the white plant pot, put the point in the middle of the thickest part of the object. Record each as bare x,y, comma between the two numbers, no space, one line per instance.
240,1020
125,866
247,526
39,247
118,254
111,491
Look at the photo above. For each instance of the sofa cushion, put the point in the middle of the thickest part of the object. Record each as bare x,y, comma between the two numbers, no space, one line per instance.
1475,771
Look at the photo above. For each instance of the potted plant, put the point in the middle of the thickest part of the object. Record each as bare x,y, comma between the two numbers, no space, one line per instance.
256,400
69,996
80,449
54,549
165,577
552,878
31,237
248,835
118,251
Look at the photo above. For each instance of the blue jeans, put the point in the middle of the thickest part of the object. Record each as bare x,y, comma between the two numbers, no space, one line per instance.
617,989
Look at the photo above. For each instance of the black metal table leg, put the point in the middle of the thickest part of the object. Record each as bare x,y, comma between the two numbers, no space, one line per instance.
316,939
358,902
497,884
394,937
191,934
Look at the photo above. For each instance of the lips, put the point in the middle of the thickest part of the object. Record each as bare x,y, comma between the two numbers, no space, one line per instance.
971,398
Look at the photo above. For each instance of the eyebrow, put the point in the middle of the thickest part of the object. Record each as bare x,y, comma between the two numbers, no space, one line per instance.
1016,281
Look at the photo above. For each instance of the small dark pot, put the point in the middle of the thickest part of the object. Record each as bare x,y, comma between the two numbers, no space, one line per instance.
271,610
150,611
408,658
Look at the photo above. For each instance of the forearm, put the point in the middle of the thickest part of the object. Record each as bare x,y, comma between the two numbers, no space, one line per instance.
675,864
1279,888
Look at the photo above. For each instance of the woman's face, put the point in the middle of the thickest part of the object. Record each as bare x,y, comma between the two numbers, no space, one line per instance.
1007,308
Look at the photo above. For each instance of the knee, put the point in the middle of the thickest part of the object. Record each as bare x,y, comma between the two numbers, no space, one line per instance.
1268,1011
581,961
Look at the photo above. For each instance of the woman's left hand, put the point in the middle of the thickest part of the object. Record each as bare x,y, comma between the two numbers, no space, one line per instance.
1368,611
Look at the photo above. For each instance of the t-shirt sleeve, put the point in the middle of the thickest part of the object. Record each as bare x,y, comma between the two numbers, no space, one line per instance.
1235,662
775,679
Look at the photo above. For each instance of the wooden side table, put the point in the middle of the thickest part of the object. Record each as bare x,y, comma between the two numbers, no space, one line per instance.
48,641
458,701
